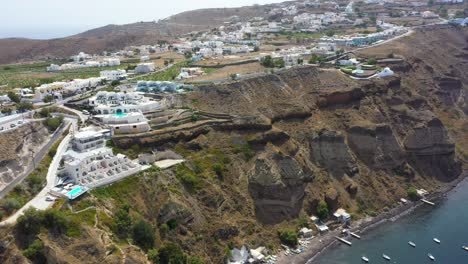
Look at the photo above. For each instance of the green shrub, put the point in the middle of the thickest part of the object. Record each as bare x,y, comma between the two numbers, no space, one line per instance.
122,222
172,224
412,193
288,237
219,169
35,252
143,235
322,210
10,205
171,253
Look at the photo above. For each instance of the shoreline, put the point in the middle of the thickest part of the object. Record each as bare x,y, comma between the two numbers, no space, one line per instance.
322,244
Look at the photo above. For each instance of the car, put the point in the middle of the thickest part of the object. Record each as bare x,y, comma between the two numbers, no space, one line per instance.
20,122
85,112
50,198
12,125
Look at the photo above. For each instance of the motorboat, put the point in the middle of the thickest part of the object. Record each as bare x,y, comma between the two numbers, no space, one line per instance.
386,257
465,248
429,255
365,259
411,243
436,240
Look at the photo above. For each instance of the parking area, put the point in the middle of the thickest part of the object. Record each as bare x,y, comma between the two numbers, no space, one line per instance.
11,125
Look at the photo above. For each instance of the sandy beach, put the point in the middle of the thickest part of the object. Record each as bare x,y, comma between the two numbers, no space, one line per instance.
321,243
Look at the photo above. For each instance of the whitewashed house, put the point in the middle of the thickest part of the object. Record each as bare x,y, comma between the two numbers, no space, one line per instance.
144,68
114,75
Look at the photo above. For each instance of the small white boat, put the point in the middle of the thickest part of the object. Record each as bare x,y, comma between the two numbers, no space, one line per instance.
365,259
436,240
386,257
430,256
411,243
465,248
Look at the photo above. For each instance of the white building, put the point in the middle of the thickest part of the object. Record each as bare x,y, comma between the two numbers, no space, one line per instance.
187,73
114,75
144,58
90,163
53,67
144,68
125,123
106,103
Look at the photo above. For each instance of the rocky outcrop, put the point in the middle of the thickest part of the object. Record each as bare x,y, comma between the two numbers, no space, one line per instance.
450,89
329,150
431,152
376,146
276,185
174,211
340,97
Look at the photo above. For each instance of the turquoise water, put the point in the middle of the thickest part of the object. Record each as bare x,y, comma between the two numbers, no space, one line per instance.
447,221
75,191
120,114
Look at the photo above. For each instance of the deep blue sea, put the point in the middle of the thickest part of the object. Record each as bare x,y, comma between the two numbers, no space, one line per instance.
447,221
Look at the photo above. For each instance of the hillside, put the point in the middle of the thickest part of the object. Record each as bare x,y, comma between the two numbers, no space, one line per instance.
113,37
298,137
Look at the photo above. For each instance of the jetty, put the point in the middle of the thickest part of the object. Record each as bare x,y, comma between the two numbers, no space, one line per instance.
355,235
344,241
427,202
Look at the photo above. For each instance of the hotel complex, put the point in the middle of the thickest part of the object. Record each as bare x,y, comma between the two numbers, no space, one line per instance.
89,163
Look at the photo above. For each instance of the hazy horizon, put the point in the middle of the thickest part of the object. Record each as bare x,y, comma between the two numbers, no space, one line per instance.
48,19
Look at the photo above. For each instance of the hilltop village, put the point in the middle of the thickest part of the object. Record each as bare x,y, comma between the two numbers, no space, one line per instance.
285,124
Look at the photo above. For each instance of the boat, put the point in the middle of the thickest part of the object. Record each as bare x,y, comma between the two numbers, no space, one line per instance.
365,259
465,248
436,240
430,256
411,243
386,257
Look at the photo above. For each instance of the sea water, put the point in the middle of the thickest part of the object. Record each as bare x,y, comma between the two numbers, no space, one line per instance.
447,221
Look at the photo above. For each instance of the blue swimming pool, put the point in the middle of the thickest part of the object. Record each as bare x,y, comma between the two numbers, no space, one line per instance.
75,191
120,114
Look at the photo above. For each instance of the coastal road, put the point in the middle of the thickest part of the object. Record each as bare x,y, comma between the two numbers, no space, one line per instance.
38,156
39,201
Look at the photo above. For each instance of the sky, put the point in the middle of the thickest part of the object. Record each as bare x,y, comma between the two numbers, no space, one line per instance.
44,19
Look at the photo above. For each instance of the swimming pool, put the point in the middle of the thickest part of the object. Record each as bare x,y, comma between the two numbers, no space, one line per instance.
120,114
75,191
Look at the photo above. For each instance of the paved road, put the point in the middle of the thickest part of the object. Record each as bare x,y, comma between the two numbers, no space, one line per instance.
39,201
37,158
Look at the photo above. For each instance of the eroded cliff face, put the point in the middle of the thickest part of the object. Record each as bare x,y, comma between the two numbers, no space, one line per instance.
277,186
376,146
330,151
16,148
431,151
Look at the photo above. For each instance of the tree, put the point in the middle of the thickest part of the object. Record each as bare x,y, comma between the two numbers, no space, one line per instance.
279,63
35,252
122,222
11,204
443,13
412,193
267,61
233,76
288,237
188,54
24,106
372,61
330,33
14,97
30,222
460,14
143,235
256,49
373,19
115,82
48,98
53,122
166,63
322,210
171,253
